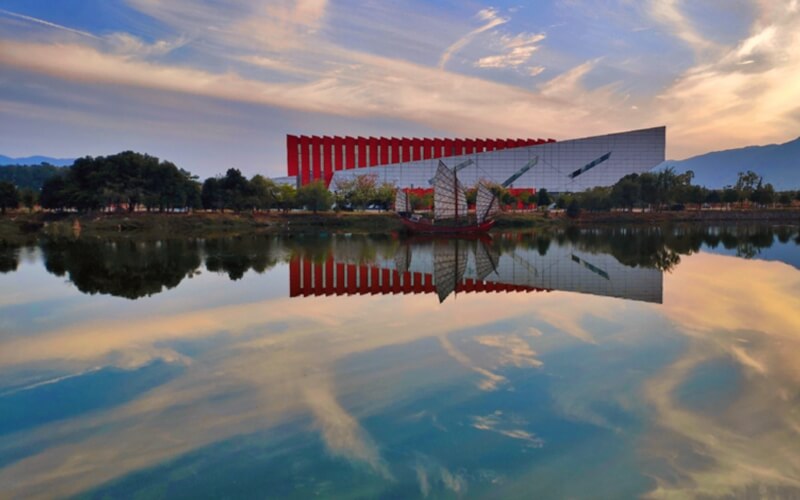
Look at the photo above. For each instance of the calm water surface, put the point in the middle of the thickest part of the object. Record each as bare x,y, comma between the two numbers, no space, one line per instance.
588,364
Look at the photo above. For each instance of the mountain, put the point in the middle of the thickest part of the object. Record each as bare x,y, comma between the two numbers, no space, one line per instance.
778,164
35,160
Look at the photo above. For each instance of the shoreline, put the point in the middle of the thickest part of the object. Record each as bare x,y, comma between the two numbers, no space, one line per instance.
209,224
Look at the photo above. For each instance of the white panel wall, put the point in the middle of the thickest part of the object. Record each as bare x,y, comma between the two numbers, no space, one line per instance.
631,152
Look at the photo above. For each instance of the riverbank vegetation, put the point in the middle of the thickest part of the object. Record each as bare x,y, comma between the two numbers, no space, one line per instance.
131,182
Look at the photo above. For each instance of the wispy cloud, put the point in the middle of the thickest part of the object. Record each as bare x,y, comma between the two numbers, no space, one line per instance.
508,426
47,23
517,50
490,18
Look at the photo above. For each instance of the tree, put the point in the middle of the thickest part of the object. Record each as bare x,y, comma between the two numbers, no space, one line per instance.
287,197
9,196
314,196
763,194
747,181
384,195
420,202
124,179
29,198
785,198
714,196
543,198
730,195
236,190
626,192
211,194
573,209
265,192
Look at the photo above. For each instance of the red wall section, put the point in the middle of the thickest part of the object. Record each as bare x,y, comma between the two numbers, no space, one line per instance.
386,143
327,159
316,157
292,158
305,168
349,152
338,154
361,144
373,152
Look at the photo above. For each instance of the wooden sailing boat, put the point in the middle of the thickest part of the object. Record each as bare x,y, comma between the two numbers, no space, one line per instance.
450,204
449,207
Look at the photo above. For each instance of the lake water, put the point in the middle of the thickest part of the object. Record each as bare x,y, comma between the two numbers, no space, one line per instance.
605,363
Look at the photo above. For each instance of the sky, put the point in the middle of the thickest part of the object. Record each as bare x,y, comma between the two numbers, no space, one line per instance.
214,84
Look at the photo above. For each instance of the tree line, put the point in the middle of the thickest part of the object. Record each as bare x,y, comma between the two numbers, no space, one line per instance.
129,181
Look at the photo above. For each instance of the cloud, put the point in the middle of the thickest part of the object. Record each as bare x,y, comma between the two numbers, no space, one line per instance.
508,427
491,20
742,312
341,432
422,479
368,86
129,45
511,350
48,24
454,482
669,14
517,51
536,70
744,95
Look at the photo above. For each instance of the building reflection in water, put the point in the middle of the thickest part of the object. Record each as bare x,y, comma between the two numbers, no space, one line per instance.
453,266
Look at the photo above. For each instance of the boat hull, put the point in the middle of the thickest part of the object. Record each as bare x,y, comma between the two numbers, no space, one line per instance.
425,226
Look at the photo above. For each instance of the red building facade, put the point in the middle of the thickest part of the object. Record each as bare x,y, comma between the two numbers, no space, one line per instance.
312,158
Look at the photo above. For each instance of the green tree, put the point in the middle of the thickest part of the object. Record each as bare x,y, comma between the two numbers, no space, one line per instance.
287,197
29,176
265,192
211,194
785,198
420,202
764,194
236,190
714,196
29,198
730,195
747,181
9,196
314,196
384,195
573,209
626,193
543,198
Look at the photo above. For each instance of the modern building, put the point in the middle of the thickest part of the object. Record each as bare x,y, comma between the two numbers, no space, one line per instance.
560,166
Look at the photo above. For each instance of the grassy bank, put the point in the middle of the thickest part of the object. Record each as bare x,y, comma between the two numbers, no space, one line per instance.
202,224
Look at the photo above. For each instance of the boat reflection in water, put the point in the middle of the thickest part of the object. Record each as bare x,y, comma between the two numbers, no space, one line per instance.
446,266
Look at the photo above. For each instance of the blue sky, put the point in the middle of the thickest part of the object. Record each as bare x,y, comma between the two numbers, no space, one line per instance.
213,84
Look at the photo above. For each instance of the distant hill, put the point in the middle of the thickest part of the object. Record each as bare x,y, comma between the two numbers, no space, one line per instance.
778,164
36,160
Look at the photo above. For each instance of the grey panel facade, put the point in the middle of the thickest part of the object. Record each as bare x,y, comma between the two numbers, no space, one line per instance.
566,166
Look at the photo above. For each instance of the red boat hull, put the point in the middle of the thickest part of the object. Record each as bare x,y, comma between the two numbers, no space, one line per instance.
425,226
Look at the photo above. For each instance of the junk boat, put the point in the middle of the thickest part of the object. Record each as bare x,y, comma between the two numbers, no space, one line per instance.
450,214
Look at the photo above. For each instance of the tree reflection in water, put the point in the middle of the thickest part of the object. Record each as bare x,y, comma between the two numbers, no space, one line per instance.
133,269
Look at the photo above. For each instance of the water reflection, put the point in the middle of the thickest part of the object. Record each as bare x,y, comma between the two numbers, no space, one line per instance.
221,381
453,266
618,257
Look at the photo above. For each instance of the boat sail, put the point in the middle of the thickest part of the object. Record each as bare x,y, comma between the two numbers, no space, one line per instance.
486,259
486,204
450,203
401,202
449,199
449,266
